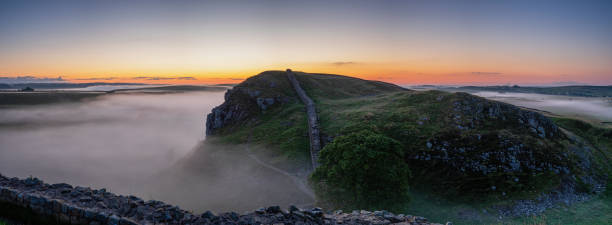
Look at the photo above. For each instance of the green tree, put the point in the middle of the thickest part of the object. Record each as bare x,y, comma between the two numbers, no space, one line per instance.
362,169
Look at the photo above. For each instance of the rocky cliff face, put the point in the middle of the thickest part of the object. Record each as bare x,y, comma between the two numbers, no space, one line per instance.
498,151
248,99
229,112
472,111
494,147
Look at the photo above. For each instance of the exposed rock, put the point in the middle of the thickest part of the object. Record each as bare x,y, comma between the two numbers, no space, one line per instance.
264,103
472,111
531,207
53,201
247,100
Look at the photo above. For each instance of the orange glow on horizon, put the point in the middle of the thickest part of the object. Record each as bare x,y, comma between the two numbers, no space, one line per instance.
387,72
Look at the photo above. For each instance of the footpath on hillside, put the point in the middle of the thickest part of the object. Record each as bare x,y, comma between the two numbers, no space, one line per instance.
300,183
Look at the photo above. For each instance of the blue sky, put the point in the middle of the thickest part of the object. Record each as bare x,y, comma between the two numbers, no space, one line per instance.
397,41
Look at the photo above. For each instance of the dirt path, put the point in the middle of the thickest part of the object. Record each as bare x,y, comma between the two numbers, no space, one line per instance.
313,123
300,183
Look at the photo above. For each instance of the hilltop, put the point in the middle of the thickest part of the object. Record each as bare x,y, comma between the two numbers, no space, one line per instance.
271,88
457,145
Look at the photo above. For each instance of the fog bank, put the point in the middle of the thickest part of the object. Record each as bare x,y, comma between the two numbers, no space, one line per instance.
589,108
221,178
149,145
112,141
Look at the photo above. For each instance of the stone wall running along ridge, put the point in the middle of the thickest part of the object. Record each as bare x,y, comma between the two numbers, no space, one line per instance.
313,124
80,205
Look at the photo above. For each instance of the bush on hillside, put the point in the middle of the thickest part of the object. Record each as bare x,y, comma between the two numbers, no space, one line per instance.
362,170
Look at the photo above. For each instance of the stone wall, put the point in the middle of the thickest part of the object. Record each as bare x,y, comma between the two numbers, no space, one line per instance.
313,123
81,205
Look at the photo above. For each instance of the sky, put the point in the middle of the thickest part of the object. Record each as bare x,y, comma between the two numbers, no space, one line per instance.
403,42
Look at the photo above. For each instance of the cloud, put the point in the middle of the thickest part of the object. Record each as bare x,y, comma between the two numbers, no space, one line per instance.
561,83
486,73
384,78
225,78
154,78
140,78
30,79
344,63
98,78
186,78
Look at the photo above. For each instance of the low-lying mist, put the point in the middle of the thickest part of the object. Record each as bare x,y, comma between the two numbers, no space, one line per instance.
105,142
588,108
223,178
149,145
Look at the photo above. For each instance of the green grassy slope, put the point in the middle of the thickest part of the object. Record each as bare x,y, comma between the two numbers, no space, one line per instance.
599,209
419,118
283,129
399,114
329,86
280,129
599,138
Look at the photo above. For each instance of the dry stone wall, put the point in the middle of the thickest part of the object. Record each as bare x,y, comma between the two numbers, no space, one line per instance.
313,123
81,205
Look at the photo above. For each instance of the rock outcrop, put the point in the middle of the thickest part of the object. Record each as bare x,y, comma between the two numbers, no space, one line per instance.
226,113
471,150
80,205
485,147
248,99
472,111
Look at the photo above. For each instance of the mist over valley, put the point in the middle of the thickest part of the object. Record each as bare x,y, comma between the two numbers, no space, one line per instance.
596,109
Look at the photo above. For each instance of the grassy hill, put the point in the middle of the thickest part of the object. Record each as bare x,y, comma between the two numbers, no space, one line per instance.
281,127
458,146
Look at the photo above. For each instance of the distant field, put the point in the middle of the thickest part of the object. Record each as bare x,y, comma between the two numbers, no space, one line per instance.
9,98
178,88
37,98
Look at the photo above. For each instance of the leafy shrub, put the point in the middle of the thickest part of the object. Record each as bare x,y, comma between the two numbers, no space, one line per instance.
363,170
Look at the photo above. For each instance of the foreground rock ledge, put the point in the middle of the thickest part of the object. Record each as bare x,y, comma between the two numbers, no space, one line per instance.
80,205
